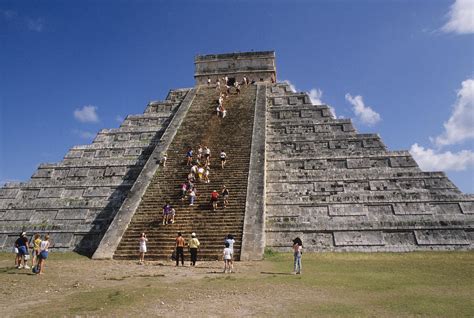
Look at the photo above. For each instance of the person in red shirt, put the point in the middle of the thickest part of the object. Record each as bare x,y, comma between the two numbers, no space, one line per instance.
214,198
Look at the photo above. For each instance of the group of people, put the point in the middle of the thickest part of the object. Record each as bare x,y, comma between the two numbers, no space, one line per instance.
224,94
193,245
200,171
39,252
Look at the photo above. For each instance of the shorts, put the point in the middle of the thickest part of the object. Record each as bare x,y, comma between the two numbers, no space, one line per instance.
22,250
142,249
225,197
206,155
43,255
223,159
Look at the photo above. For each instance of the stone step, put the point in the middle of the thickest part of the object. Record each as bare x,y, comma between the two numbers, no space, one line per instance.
201,126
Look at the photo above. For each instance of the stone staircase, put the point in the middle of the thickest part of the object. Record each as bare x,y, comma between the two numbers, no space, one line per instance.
201,126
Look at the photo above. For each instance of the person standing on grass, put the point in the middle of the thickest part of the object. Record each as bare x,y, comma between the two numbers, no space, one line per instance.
230,240
22,245
180,242
35,245
297,252
193,248
142,242
43,255
227,258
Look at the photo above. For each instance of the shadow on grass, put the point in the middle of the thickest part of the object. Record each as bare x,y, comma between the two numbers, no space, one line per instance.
276,273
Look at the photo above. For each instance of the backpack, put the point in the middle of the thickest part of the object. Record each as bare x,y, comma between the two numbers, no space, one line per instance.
35,269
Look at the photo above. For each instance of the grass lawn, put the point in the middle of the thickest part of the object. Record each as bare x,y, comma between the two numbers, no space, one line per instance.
437,284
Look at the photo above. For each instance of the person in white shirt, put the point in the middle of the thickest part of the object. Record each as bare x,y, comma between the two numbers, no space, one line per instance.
43,255
297,252
142,241
223,157
228,266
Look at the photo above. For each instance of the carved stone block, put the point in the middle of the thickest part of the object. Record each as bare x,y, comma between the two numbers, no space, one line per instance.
74,153
72,214
97,192
441,237
43,216
413,208
43,173
115,171
347,210
359,238
467,207
61,240
448,208
6,193
50,193
78,172
18,215
358,163
396,162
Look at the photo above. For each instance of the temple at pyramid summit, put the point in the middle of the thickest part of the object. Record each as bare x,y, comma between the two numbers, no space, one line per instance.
292,169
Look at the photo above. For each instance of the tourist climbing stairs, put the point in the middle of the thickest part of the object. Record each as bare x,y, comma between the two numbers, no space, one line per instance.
233,134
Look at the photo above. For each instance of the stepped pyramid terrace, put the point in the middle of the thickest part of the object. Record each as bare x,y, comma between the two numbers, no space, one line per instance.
293,169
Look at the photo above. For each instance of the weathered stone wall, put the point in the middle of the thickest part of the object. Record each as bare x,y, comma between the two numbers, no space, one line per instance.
76,199
258,66
343,191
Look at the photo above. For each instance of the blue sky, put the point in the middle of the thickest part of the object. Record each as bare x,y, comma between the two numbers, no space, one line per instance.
403,69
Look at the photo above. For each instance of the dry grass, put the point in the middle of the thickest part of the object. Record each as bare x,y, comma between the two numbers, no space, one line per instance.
332,285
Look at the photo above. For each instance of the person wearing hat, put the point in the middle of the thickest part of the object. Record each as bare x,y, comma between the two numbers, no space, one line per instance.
193,248
22,245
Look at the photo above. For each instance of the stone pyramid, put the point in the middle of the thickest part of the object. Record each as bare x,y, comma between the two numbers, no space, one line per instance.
306,174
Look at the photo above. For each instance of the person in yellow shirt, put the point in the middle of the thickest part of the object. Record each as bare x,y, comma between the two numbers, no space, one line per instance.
36,247
193,248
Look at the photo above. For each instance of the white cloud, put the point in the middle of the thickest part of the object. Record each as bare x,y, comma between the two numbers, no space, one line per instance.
8,14
429,159
292,87
32,24
460,126
84,134
461,17
365,114
87,114
35,24
315,95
